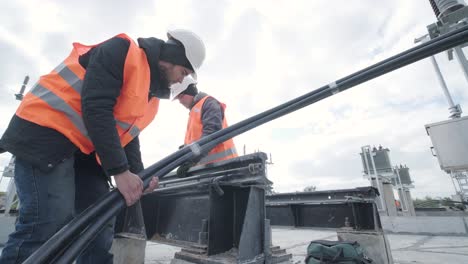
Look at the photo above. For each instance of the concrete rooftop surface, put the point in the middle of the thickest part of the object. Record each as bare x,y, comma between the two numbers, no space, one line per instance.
406,249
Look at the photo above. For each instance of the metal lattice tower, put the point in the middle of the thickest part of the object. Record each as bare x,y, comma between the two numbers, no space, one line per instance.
460,183
378,170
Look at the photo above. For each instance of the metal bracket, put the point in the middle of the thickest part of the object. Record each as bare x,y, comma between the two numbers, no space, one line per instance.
255,168
195,148
216,187
356,199
432,151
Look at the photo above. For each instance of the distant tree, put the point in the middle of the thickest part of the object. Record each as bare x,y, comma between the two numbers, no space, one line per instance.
426,202
312,188
446,201
429,202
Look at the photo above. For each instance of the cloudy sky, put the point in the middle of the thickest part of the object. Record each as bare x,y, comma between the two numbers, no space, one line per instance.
259,54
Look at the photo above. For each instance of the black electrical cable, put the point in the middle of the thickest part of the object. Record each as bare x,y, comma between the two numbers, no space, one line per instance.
79,244
433,47
87,235
71,230
429,48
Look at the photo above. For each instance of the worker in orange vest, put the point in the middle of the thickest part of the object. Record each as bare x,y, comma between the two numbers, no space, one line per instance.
79,125
207,115
397,204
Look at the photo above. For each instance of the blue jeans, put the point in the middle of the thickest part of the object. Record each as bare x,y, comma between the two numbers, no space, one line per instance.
47,202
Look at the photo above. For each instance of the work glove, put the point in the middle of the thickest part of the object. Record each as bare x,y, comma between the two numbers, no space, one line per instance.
182,170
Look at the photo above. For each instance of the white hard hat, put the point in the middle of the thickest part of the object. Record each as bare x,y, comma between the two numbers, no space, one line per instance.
177,88
193,45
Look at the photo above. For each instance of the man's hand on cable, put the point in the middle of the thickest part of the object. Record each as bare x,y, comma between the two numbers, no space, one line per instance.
154,183
130,186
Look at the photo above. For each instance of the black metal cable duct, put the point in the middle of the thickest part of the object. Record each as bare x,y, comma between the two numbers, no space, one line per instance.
79,244
114,199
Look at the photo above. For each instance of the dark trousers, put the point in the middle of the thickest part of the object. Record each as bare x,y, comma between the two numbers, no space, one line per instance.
49,200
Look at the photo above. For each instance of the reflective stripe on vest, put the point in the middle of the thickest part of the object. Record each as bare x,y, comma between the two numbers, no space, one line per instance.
70,77
219,156
55,100
59,104
223,151
134,131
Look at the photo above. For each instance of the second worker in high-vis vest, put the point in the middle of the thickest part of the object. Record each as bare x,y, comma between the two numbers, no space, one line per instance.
79,125
207,115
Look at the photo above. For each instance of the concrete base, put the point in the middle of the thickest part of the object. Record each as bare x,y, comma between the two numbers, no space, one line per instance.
374,243
429,225
406,249
128,250
180,261
195,255
443,213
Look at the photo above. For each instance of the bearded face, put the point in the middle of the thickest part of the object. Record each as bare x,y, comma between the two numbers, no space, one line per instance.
164,78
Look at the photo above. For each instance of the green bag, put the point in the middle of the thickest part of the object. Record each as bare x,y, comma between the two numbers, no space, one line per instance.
342,252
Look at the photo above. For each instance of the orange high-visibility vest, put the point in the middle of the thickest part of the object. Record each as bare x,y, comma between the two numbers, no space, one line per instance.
223,151
55,100
397,204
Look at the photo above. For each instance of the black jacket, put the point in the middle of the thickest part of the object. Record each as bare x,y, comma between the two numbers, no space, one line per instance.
104,64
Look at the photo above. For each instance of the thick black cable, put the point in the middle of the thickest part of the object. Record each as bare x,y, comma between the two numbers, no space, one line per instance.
433,47
429,48
114,199
71,230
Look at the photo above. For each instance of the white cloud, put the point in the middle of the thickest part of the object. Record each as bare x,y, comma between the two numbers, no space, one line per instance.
260,54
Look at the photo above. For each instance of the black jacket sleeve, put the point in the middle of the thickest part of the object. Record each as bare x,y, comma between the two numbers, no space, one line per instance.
101,87
132,150
212,116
